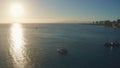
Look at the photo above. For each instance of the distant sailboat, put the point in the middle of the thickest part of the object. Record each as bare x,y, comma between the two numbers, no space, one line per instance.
62,49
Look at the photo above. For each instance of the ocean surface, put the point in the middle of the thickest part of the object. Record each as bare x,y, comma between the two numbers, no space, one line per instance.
35,46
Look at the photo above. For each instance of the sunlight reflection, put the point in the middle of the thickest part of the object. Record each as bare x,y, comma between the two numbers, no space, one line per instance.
17,48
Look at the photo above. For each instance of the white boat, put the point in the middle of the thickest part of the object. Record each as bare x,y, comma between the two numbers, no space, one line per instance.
62,50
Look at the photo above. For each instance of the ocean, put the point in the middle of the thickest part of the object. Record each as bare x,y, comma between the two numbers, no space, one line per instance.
35,46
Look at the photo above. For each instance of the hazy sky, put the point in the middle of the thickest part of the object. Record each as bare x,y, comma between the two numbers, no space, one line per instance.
61,10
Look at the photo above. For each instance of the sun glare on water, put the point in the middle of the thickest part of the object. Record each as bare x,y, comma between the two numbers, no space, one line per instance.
17,46
16,10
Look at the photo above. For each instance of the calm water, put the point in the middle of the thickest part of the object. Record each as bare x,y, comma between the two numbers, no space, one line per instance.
34,46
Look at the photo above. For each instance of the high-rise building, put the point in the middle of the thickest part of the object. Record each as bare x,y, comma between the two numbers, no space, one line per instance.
118,20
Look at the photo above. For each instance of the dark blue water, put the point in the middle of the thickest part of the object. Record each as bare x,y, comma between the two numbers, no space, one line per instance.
35,46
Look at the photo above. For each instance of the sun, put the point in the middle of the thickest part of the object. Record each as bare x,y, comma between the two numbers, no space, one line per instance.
16,10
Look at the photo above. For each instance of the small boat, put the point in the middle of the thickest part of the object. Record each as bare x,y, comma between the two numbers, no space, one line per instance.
62,50
112,44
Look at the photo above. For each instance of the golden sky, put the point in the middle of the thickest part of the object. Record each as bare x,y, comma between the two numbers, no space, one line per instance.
42,11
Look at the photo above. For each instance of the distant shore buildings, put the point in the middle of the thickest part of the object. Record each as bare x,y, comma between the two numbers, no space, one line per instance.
113,24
